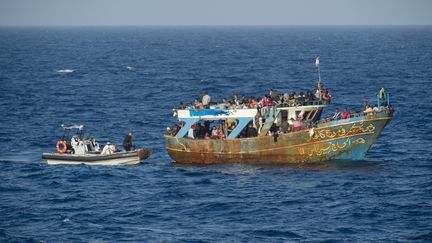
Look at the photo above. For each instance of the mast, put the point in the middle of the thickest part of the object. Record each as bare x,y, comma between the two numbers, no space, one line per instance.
317,63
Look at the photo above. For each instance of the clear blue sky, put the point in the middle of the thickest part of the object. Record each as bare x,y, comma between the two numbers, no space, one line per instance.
215,12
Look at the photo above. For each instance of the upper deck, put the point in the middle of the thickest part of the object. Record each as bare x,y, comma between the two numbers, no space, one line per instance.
262,117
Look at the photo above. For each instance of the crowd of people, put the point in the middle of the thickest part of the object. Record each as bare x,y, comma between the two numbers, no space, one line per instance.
93,146
273,98
213,129
221,129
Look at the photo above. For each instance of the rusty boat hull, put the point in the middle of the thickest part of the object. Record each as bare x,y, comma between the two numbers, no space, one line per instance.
347,139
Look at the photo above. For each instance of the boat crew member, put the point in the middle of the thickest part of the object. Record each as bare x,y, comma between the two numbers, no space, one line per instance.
95,145
127,142
109,148
74,141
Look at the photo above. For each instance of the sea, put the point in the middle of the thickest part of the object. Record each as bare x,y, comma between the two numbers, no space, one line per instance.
116,79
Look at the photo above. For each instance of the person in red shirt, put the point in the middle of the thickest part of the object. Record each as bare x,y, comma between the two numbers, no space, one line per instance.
346,114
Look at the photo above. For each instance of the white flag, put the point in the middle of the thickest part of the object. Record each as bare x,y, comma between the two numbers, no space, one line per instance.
317,61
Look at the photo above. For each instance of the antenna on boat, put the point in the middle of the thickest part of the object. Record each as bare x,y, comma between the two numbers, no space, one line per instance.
317,62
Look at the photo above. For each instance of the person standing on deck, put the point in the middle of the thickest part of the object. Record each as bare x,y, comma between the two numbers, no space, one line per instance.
206,99
127,142
191,132
74,141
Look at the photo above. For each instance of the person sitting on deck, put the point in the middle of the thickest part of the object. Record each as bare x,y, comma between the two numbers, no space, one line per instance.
253,104
284,126
346,114
109,148
310,97
297,125
220,132
235,101
197,131
191,132
198,105
175,129
214,132
251,131
285,99
181,105
292,99
291,124
225,103
375,108
301,98
336,115
368,110
206,99
168,131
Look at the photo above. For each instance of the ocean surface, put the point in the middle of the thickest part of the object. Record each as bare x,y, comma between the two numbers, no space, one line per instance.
129,78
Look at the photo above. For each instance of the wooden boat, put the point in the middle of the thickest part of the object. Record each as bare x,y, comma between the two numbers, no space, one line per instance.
342,139
319,140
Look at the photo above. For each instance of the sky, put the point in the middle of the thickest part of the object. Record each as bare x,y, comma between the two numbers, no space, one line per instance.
216,12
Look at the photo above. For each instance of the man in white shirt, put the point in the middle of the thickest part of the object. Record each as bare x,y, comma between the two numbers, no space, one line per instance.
337,114
368,110
109,148
191,132
206,99
74,141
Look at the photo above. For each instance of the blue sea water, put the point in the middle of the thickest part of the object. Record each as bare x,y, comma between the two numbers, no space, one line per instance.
119,79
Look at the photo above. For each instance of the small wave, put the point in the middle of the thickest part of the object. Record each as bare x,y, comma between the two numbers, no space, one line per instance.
276,233
130,68
65,71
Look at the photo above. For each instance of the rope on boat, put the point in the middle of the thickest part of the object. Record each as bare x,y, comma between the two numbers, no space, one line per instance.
184,146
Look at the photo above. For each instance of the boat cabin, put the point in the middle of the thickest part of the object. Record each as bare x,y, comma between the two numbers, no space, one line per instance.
83,145
261,118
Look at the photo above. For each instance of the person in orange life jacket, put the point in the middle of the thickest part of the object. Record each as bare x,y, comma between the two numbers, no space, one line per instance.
346,114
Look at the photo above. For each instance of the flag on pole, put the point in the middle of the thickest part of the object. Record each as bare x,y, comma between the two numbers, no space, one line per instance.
317,61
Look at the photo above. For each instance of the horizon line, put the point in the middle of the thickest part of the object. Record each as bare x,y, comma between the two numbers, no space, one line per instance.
228,25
